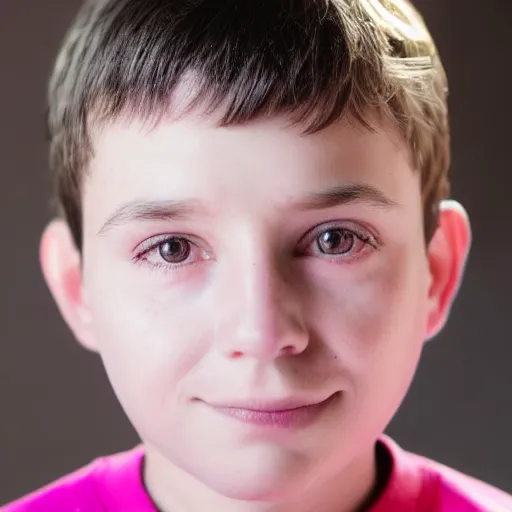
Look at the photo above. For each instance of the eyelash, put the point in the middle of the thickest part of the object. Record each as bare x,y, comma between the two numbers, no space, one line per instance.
155,243
359,235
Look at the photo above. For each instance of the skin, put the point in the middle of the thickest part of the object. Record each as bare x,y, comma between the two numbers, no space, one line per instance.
258,311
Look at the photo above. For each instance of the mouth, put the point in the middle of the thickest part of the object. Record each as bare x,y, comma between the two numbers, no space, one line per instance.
283,414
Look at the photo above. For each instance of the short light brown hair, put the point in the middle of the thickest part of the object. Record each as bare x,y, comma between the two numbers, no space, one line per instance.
313,60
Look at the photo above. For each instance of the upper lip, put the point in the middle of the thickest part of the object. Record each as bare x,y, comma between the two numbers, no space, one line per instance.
268,405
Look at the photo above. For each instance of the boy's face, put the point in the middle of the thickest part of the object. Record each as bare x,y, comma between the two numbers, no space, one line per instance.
256,268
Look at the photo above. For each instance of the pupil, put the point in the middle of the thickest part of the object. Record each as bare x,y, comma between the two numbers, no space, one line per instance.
174,251
335,241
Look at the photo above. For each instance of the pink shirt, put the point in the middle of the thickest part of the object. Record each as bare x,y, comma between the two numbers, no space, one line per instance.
416,485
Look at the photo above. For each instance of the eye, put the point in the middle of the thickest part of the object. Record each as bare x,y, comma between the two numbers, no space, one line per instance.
341,242
336,241
170,252
174,250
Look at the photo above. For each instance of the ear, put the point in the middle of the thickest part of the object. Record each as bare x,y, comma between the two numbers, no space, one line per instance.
62,269
447,254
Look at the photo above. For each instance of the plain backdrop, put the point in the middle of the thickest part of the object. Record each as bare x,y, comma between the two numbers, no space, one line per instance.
57,411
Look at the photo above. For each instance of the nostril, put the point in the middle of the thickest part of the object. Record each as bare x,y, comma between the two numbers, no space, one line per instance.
288,350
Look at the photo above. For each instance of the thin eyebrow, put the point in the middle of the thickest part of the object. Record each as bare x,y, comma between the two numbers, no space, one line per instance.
345,194
167,210
173,210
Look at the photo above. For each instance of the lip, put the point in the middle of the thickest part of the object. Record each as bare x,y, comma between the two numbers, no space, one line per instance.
283,414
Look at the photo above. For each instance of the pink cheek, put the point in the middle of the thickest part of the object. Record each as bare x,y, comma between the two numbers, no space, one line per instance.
188,277
362,314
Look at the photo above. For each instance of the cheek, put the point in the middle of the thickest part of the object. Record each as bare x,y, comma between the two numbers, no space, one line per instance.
376,322
149,347
375,329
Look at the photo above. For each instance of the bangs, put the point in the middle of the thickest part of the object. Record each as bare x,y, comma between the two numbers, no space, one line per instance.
245,59
313,61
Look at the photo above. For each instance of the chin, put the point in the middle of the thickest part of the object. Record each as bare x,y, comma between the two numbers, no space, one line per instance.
265,489
260,480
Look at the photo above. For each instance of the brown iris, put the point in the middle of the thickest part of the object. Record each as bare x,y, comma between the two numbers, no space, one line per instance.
175,250
336,241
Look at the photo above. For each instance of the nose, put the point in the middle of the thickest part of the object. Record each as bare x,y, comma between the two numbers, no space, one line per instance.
262,317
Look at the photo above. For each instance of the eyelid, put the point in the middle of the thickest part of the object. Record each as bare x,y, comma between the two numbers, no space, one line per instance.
362,233
153,242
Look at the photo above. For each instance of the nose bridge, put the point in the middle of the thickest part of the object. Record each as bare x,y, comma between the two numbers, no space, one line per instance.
263,299
265,318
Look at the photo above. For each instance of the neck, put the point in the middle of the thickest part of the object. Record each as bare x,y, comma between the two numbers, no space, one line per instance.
351,489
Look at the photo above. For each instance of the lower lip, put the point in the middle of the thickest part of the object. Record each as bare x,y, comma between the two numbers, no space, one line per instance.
291,418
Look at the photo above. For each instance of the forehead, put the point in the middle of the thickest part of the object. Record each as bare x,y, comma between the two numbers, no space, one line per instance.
267,161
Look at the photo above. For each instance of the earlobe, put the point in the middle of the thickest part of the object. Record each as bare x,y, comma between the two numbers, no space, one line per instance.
61,265
447,255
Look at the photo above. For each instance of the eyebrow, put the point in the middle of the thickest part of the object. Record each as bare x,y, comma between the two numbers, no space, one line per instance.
345,194
166,210
174,210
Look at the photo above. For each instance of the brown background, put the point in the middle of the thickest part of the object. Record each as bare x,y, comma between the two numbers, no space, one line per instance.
57,411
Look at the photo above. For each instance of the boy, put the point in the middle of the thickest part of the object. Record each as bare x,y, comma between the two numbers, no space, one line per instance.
255,238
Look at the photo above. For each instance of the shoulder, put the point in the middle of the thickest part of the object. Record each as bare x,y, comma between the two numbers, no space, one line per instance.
74,492
456,489
448,490
80,491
